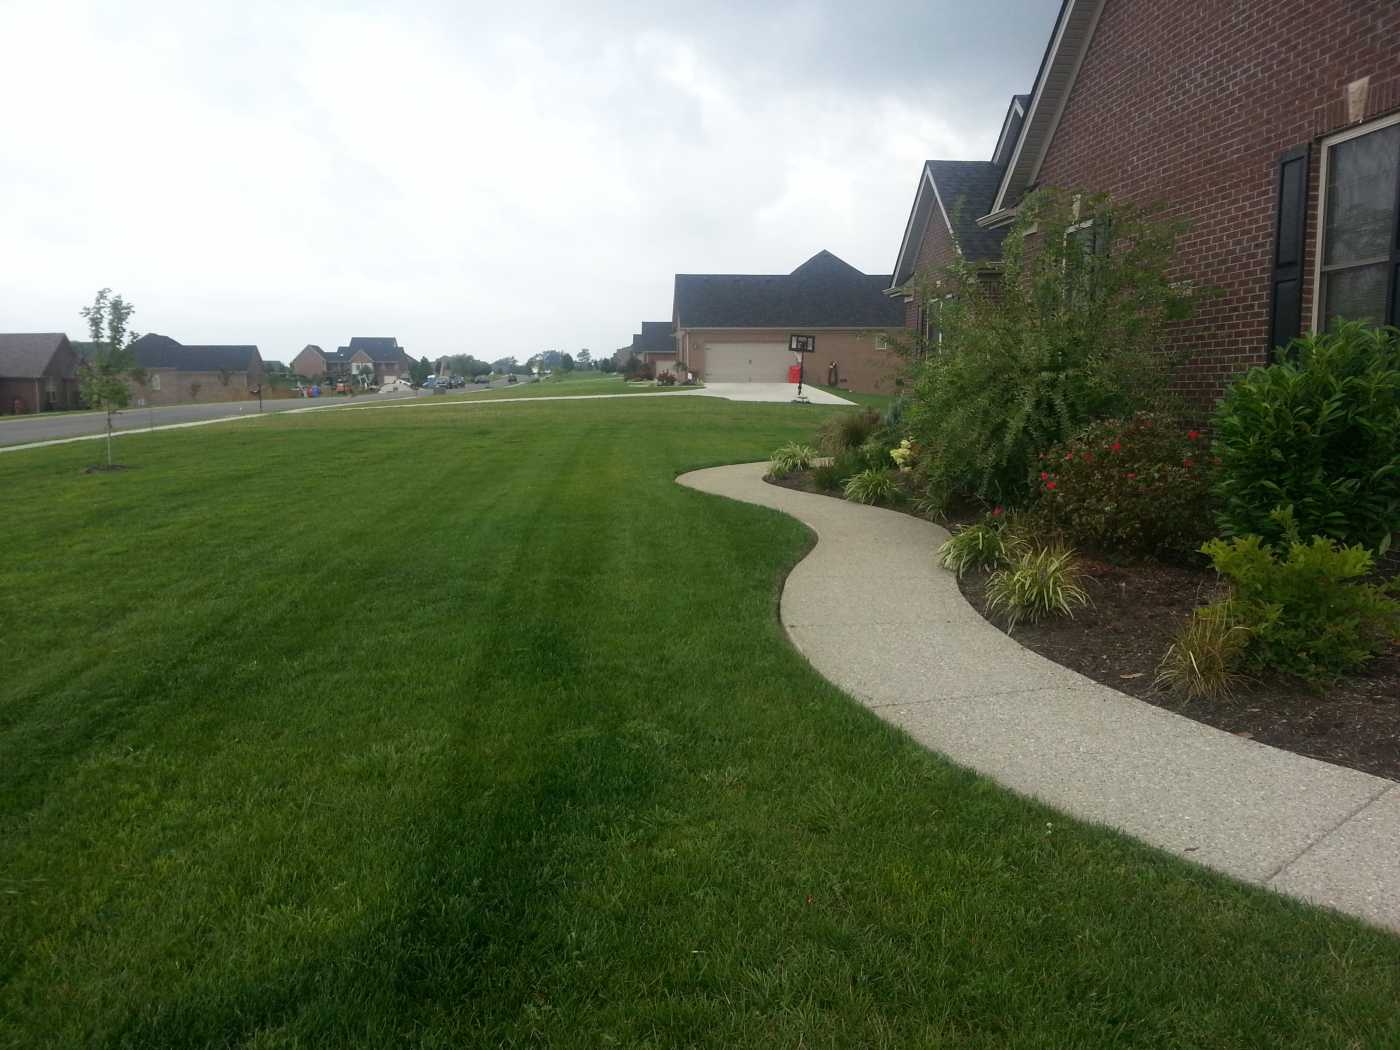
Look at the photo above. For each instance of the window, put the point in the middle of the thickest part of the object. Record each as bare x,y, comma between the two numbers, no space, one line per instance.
882,341
1359,254
155,380
933,331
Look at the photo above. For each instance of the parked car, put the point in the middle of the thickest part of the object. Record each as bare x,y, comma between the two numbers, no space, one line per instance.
396,386
511,378
481,379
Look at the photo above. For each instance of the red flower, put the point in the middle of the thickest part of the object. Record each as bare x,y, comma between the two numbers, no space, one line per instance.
997,512
1050,485
1188,463
1117,446
1044,476
1069,455
1192,435
1088,457
1130,477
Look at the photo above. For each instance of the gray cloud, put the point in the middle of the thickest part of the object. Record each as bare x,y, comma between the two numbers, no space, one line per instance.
469,178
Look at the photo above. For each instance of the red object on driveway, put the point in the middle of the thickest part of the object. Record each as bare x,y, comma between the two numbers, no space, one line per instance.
794,373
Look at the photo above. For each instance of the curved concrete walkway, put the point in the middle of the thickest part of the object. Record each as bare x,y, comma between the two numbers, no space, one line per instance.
874,614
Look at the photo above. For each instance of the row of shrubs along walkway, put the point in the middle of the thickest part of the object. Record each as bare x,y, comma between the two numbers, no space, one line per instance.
875,615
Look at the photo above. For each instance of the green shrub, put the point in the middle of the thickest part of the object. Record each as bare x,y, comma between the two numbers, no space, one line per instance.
1306,607
984,545
847,430
1074,331
790,458
874,485
1203,663
1321,435
1036,583
1140,485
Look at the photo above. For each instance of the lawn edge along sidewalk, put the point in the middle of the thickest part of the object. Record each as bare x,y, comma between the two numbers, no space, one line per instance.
874,614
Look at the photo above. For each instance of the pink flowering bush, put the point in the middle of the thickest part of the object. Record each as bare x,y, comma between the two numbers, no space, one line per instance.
1139,485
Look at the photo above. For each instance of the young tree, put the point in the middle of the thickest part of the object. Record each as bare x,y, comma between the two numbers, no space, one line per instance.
566,362
584,359
419,371
104,377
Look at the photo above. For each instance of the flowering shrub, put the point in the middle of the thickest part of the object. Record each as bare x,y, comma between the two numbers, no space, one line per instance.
1140,485
903,456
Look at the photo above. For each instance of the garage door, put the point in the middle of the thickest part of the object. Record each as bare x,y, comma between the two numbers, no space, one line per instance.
746,363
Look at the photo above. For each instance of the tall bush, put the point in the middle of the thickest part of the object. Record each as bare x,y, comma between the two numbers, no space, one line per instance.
1318,433
1072,332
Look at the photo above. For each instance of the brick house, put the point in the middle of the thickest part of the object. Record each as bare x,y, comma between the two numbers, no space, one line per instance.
174,372
735,327
38,373
951,196
382,354
655,345
1272,128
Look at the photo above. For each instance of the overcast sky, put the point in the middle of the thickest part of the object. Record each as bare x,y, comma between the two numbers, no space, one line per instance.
489,179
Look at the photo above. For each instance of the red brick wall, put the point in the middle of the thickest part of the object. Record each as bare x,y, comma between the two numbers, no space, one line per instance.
1190,103
936,251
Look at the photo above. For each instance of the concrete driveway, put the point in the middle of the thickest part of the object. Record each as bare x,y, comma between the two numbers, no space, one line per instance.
771,392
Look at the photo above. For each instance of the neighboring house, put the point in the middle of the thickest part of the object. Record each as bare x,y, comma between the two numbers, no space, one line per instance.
735,327
1273,129
655,345
952,195
314,363
38,373
383,353
173,372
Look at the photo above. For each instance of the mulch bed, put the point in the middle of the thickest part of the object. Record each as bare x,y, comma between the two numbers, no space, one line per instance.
1136,612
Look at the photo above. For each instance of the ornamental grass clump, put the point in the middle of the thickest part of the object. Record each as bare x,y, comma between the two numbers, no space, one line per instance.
791,458
874,485
847,430
1139,485
1203,663
1037,583
984,545
831,476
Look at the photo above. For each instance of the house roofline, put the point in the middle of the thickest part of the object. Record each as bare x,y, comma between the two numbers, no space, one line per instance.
1038,114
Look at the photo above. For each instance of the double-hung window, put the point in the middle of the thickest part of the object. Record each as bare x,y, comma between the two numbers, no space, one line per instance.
1359,256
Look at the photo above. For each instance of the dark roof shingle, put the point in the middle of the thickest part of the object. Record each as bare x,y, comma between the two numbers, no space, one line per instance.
160,351
27,355
824,292
967,189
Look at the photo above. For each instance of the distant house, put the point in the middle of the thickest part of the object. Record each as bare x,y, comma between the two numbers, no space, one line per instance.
172,372
655,345
735,327
315,363
38,373
382,354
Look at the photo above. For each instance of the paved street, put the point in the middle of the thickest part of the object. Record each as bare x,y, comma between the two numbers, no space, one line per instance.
22,430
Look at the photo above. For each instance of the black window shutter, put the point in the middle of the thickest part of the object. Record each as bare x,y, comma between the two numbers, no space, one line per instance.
1286,287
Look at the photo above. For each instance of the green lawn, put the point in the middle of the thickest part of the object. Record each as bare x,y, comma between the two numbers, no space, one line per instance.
573,384
876,401
439,728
